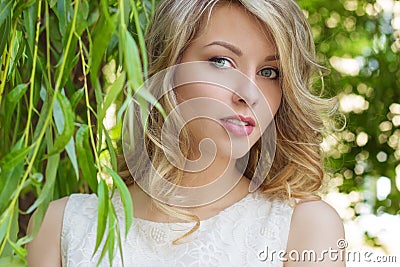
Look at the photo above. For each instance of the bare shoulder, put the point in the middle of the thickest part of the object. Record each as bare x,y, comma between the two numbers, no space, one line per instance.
317,227
315,213
45,249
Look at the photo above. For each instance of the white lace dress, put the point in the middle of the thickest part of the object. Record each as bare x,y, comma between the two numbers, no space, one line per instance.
251,232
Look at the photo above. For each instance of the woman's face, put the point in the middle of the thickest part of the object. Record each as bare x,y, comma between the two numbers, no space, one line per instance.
241,93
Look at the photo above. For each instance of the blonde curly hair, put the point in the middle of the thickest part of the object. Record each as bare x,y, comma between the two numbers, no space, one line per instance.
297,170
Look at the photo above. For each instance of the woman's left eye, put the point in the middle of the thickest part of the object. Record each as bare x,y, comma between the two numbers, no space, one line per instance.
221,62
270,73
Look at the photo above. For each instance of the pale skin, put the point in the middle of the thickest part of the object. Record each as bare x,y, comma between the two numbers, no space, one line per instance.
314,225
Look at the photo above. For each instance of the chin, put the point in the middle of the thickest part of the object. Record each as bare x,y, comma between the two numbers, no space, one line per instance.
238,151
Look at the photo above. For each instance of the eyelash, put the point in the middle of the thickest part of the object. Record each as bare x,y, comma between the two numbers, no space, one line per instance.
275,71
215,59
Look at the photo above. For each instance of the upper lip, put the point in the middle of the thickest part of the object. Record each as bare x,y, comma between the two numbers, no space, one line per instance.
249,120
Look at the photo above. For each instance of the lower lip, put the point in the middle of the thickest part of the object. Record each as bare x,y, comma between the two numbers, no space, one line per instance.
237,130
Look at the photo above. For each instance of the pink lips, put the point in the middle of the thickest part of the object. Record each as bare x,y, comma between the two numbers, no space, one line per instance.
232,124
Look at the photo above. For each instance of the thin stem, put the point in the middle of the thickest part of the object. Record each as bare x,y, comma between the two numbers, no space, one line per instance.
153,6
6,215
32,79
48,66
8,60
4,56
88,107
17,123
122,12
141,40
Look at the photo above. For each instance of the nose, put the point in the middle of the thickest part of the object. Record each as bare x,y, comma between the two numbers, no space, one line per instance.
246,92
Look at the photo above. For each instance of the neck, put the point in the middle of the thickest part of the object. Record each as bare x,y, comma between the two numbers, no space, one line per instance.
228,186
207,170
216,180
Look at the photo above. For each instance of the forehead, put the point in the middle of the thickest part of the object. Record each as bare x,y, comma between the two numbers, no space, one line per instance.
233,23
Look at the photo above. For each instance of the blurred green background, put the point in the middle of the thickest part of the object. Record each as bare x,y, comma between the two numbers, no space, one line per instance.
359,40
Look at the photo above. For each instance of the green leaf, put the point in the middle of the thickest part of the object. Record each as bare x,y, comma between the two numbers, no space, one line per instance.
127,10
123,108
11,223
104,9
85,157
5,219
146,95
113,93
5,9
62,11
5,30
15,94
29,24
141,41
13,158
58,112
20,251
43,115
71,60
13,237
20,7
82,18
64,119
9,182
111,150
111,234
76,97
13,97
133,65
11,261
103,203
52,3
125,198
51,173
21,49
102,36
70,148
36,179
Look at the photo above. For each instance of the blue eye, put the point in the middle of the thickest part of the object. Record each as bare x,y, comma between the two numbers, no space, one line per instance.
270,73
221,62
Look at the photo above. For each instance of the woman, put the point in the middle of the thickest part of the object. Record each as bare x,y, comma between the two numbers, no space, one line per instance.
235,65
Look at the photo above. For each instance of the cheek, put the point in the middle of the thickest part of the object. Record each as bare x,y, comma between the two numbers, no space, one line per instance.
275,102
267,109
201,105
201,90
274,99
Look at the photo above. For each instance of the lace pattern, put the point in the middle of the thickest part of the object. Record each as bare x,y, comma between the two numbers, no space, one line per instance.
236,236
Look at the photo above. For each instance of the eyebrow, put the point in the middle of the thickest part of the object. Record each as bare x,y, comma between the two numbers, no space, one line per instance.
228,46
237,50
272,58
